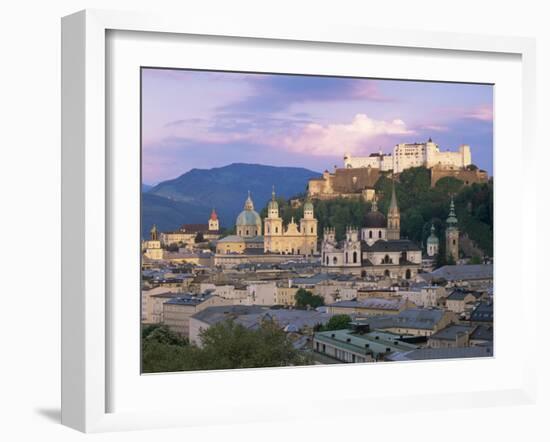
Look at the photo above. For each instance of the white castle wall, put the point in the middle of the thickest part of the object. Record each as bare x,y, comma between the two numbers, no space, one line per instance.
405,156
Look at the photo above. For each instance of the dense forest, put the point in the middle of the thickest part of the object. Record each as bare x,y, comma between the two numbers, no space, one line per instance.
420,206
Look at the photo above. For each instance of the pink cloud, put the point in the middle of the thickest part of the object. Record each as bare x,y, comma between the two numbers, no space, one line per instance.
352,137
482,112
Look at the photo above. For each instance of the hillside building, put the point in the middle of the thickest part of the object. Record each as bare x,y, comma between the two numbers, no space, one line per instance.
407,155
378,249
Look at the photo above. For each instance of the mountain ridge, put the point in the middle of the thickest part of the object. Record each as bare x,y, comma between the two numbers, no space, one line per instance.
191,196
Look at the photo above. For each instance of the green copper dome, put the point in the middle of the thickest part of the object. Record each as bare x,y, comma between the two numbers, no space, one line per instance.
248,218
433,239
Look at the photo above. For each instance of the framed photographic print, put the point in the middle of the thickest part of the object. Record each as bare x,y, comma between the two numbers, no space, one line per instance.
256,215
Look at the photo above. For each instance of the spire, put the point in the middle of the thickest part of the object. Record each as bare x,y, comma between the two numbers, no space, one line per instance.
451,219
393,203
213,214
273,192
249,205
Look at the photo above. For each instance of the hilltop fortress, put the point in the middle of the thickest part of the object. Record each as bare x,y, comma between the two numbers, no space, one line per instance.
408,155
359,174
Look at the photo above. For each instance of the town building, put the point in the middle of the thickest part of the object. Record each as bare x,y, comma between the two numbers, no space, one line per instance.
290,240
352,346
177,311
152,247
290,320
370,307
376,250
345,183
412,321
188,233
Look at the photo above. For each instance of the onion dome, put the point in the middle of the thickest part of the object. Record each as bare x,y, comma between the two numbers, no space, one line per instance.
248,217
375,219
308,205
273,205
433,239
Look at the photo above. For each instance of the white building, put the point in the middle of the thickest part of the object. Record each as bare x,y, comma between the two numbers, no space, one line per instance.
406,155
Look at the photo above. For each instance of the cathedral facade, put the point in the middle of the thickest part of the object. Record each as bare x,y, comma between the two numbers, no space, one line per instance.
291,239
376,249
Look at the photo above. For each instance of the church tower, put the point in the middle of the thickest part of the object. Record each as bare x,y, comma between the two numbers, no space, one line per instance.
432,243
273,225
394,217
452,233
308,228
213,222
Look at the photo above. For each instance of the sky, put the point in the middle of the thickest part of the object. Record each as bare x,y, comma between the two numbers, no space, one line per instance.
205,119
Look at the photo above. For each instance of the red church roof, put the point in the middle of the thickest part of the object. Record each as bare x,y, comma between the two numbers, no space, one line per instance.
213,215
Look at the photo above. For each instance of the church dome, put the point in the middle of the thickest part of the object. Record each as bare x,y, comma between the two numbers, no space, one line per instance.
433,239
375,220
248,218
308,205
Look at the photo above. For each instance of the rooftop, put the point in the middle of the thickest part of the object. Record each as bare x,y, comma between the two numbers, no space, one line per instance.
441,353
462,272
375,342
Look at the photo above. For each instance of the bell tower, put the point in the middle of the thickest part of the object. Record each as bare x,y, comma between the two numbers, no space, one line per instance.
273,226
452,233
394,217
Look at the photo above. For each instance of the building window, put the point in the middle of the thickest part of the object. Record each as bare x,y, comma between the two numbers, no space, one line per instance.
276,230
346,257
370,233
380,234
312,230
354,257
334,260
247,231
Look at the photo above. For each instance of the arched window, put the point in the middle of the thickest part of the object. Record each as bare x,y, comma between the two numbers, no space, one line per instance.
334,260
346,257
247,231
312,230
380,234
370,233
327,260
354,257
268,229
276,230
386,272
408,274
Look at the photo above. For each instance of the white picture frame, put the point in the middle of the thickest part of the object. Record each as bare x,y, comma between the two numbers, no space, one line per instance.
86,317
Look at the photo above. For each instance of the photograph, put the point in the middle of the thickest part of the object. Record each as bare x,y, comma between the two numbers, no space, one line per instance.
293,220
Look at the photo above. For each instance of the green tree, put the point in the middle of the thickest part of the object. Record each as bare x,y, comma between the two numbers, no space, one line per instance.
337,322
225,345
199,237
305,298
